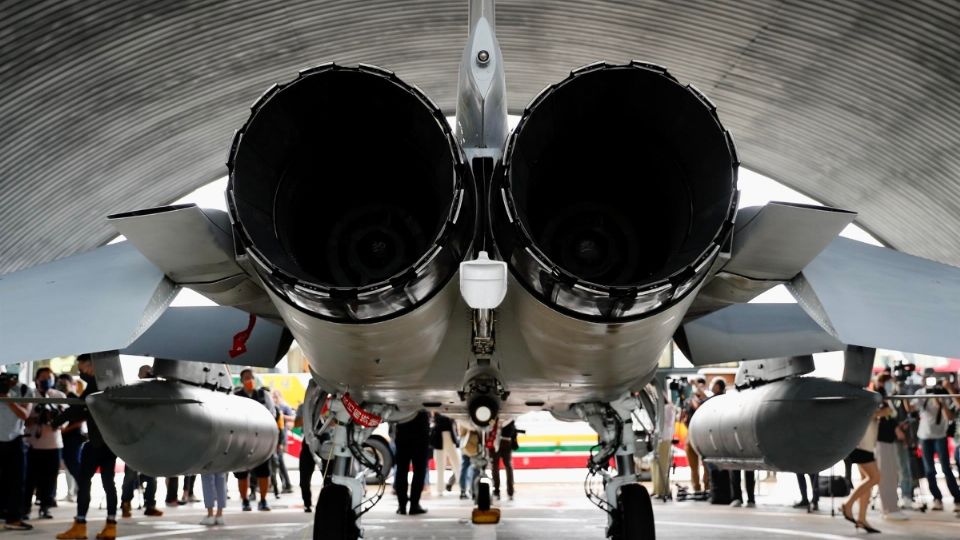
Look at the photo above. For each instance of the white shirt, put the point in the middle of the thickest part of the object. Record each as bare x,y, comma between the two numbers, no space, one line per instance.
11,426
43,437
929,427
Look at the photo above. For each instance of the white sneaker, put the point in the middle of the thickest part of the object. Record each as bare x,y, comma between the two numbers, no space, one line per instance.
219,521
737,503
895,516
918,505
208,521
937,505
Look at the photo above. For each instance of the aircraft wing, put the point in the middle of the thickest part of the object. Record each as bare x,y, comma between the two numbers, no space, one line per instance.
95,301
116,297
207,334
753,331
852,293
882,298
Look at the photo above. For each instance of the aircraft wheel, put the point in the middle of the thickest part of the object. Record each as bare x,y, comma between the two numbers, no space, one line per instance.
379,450
635,514
483,496
333,517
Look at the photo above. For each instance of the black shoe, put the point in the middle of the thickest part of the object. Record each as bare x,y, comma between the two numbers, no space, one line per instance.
496,493
44,514
417,510
17,526
307,510
246,506
53,504
463,495
402,510
449,486
814,506
263,506
801,504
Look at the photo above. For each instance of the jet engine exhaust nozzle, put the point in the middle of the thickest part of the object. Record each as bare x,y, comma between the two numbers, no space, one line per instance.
618,187
350,193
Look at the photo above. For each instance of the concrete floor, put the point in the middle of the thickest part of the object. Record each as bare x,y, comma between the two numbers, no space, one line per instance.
554,511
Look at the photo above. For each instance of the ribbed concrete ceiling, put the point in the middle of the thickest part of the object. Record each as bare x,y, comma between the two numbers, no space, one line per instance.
111,105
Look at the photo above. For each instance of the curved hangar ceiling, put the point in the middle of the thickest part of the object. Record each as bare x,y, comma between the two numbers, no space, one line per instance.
111,105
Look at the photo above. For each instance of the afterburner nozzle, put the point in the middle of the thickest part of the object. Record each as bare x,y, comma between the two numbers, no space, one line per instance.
617,189
350,193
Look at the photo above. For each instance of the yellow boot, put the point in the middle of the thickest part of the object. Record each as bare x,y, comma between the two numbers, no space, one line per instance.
76,532
109,531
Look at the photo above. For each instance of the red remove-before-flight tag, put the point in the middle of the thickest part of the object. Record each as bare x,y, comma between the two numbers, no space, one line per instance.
360,416
241,337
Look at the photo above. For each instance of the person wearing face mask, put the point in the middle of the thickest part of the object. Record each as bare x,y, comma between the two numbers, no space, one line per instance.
45,442
886,451
260,472
95,454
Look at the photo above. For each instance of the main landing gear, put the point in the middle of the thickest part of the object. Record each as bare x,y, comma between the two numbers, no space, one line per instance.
343,499
626,502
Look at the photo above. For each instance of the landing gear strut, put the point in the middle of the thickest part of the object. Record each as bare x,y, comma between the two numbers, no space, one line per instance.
626,502
343,499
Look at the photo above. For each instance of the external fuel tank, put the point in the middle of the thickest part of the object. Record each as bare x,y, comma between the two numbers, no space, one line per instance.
168,428
802,424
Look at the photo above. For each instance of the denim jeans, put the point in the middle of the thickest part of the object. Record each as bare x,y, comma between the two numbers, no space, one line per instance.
905,460
466,473
133,480
929,446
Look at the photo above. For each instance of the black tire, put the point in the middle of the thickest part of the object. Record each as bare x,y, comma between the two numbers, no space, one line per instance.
483,496
379,445
333,517
634,514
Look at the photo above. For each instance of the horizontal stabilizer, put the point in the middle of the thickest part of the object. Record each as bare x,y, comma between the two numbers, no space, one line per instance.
771,244
96,301
776,241
189,244
882,298
753,331
194,247
207,334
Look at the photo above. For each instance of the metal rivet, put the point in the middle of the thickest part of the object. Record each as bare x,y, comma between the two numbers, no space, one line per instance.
483,57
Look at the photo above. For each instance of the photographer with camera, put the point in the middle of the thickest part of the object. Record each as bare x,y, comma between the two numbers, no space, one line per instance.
12,452
45,444
936,416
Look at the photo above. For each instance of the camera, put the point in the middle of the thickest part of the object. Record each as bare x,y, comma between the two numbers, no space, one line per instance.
45,413
935,379
902,372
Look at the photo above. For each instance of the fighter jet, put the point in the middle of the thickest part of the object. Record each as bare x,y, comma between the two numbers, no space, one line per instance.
480,272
